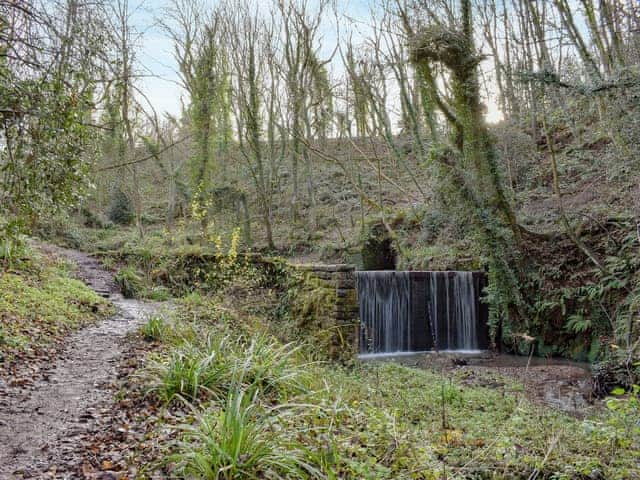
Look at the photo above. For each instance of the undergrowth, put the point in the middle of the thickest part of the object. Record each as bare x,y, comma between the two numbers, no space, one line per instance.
40,303
253,407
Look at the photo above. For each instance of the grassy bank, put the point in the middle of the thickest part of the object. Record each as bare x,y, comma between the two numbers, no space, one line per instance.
40,303
240,404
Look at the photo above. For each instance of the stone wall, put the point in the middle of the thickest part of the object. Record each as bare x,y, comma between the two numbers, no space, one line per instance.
343,323
334,326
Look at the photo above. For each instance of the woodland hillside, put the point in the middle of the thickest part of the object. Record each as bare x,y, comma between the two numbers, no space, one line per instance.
382,143
500,136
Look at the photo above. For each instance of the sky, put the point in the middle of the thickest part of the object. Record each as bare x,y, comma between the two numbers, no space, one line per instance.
157,67
160,81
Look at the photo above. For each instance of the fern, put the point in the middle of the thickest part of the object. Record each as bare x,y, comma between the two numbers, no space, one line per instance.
577,323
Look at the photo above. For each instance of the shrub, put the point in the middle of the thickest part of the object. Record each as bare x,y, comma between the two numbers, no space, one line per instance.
93,219
120,210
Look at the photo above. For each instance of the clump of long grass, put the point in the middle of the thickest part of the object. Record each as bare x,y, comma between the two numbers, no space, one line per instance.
270,367
200,369
239,441
154,328
129,281
190,372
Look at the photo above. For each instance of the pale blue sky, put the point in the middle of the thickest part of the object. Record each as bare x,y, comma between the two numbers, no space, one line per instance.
155,57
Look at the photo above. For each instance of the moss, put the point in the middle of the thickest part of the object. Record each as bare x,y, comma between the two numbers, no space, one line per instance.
378,252
38,305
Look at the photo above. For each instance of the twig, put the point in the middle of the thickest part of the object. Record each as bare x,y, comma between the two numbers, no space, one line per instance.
148,157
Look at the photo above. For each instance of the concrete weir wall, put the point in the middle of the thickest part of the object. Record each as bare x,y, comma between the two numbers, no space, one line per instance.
344,321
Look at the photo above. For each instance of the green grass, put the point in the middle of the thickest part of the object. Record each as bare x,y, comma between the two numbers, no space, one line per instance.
40,303
129,282
154,328
189,373
203,366
239,441
255,408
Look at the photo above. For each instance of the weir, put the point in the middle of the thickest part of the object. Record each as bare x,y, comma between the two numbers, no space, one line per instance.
421,311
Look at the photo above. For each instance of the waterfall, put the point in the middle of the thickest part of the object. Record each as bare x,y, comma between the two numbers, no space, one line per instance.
387,308
419,311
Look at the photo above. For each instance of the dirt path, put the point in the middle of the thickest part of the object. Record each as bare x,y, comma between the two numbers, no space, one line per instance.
40,425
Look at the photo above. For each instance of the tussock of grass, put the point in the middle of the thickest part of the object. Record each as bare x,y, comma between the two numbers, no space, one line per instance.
239,441
188,373
154,328
197,369
129,282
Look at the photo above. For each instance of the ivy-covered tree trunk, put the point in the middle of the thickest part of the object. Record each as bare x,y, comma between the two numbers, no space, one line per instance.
470,178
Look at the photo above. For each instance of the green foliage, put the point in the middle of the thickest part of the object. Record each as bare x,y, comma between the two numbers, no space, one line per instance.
157,294
49,126
12,249
237,441
121,208
378,251
129,282
197,369
153,329
621,429
188,373
39,303
433,222
59,229
578,324
93,219
378,420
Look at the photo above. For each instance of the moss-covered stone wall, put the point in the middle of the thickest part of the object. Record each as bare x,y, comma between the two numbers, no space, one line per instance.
341,320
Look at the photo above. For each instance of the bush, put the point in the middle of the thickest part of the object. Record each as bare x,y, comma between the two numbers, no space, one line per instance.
59,229
121,210
92,219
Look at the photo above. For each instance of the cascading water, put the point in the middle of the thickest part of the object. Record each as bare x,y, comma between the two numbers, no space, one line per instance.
386,329
420,311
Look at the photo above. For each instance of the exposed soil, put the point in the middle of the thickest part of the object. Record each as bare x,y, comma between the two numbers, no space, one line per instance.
41,424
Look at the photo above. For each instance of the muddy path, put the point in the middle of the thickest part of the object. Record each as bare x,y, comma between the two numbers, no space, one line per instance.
41,425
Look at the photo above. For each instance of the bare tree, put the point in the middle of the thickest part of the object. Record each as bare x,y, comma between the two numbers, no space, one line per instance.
256,102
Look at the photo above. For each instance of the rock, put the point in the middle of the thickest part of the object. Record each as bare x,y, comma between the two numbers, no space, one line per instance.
459,362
